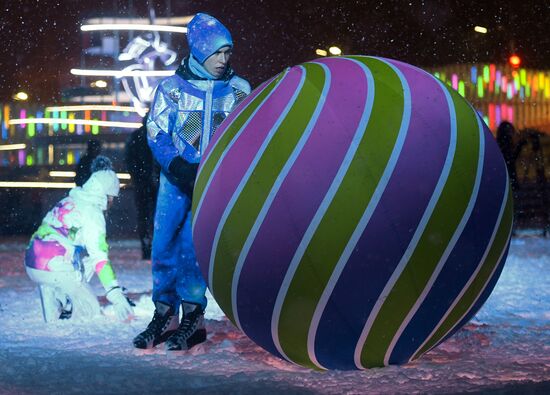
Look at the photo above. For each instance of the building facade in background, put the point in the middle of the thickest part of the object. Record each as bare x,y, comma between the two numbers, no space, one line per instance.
40,145
123,60
503,93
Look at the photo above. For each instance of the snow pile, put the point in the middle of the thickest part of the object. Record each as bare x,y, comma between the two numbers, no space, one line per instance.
506,348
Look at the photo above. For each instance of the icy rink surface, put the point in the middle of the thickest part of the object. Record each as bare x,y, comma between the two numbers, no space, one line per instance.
505,349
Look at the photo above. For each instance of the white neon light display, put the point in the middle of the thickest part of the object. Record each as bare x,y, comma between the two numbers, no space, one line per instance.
122,73
90,107
51,121
121,97
123,176
11,147
58,173
133,26
30,184
55,173
172,21
144,51
38,184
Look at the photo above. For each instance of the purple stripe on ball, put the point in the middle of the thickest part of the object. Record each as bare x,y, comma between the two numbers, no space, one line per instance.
311,175
392,224
463,260
231,117
236,163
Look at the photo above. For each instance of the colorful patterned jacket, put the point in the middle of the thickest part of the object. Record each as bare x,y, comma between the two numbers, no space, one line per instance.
72,237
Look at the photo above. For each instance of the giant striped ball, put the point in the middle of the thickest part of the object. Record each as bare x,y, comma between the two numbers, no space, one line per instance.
352,212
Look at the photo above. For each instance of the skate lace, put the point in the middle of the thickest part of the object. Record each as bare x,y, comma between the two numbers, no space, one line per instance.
187,326
154,326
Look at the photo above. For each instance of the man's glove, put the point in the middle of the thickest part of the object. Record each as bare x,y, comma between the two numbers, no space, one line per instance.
184,174
121,304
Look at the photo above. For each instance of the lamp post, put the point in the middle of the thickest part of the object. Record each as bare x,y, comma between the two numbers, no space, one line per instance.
21,96
333,50
480,29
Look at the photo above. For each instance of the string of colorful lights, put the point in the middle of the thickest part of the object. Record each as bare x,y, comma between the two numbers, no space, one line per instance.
499,92
502,92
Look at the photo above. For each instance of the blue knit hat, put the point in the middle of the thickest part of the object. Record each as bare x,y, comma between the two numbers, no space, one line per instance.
205,35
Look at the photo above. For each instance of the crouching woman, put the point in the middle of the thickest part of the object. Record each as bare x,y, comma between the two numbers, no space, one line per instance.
70,246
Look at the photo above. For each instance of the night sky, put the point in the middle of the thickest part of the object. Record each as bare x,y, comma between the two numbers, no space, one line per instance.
41,39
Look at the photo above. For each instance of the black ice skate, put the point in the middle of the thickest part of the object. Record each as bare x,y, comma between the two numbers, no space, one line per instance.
163,325
191,330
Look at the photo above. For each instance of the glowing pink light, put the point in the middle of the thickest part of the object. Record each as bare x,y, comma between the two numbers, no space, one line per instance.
504,111
498,78
23,115
491,116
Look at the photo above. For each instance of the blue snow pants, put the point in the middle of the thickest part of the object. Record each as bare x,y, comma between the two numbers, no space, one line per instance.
176,274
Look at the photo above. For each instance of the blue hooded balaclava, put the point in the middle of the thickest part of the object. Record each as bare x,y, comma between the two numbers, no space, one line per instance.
205,35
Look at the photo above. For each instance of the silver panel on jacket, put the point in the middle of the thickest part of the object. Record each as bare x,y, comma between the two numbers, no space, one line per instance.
181,114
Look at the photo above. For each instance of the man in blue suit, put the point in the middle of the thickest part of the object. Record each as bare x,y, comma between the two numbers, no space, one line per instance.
186,110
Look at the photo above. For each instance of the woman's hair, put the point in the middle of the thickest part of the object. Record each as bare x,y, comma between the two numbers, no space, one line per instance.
101,163
505,132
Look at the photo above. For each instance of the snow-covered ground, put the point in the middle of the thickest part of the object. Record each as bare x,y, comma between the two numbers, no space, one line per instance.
505,349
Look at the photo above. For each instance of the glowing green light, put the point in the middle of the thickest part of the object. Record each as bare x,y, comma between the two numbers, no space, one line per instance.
461,89
40,156
95,129
523,77
486,74
436,74
486,119
64,116
61,161
30,160
55,125
31,131
528,90
480,86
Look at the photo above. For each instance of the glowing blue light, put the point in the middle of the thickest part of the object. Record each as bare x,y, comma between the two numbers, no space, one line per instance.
473,75
39,126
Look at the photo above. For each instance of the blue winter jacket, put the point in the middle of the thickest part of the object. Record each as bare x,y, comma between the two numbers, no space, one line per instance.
186,112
